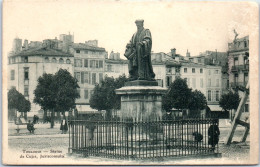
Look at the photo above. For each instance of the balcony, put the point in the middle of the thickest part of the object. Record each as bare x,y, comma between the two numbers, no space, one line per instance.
237,68
239,86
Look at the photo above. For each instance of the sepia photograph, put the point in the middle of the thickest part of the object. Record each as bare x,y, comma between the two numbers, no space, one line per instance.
122,82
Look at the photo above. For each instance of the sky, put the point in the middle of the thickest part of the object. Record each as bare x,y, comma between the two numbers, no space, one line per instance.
196,26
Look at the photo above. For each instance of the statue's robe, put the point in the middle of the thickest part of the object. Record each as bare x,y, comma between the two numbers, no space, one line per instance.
140,66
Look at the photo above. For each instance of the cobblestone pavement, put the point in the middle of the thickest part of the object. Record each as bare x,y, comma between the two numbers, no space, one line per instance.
47,139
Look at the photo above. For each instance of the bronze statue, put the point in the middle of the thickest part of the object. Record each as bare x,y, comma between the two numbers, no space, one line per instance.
138,52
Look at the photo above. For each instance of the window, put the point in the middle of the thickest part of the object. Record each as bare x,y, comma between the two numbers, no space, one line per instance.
245,78
236,78
201,82
77,75
199,60
12,75
79,92
193,70
9,60
85,94
169,80
185,70
194,82
236,61
92,63
82,77
217,82
100,77
78,63
209,72
26,59
217,95
216,71
94,78
86,77
13,60
201,70
177,69
209,82
54,60
61,60
245,44
68,61
96,64
246,60
46,60
100,63
85,62
109,67
26,73
209,95
26,90
169,70
77,51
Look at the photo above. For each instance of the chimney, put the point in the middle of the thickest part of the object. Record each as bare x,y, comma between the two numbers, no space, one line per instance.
177,58
25,44
188,53
173,52
111,56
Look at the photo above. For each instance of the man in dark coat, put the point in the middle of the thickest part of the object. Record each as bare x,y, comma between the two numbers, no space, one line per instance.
30,127
138,52
213,135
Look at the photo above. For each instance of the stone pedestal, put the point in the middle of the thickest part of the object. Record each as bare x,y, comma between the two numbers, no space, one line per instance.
141,100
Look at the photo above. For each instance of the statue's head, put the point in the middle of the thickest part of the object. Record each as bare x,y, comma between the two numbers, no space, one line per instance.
139,24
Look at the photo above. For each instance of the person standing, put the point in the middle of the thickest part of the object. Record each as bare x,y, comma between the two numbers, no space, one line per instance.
64,126
213,135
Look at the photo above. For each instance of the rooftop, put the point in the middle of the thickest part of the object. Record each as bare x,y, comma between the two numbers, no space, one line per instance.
116,61
43,51
87,47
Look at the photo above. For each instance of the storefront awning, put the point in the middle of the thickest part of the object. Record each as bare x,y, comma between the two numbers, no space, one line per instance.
215,107
85,109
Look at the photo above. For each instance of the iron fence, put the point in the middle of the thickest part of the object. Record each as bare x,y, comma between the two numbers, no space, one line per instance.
142,139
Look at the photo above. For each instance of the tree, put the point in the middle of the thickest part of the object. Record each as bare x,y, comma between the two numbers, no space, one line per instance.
66,91
197,102
56,92
104,96
229,101
177,96
17,101
45,95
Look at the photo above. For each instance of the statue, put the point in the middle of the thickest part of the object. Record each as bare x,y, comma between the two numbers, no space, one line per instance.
138,52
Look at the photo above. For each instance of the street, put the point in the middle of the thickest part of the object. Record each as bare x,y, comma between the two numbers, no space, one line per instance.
52,141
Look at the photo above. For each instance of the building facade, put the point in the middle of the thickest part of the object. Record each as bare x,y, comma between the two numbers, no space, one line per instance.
89,69
115,66
26,66
238,54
